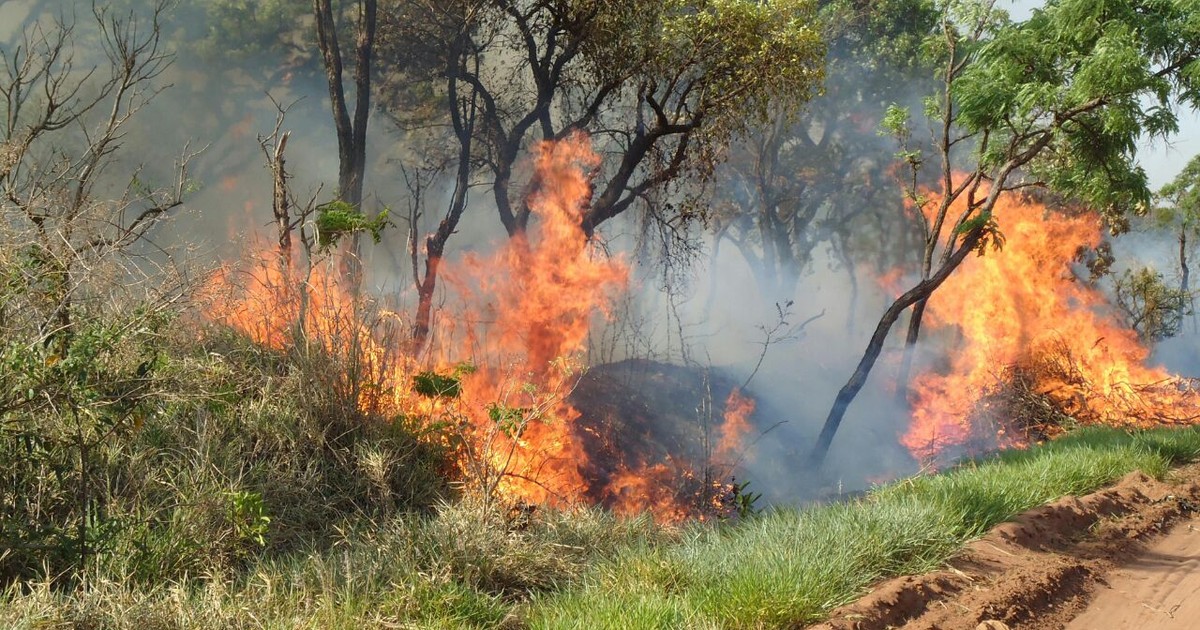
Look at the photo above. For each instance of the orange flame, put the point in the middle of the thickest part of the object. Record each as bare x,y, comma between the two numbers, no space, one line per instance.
522,317
733,431
539,295
1019,317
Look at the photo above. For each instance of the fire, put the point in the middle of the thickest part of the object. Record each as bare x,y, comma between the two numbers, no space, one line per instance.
1031,343
733,431
506,353
683,484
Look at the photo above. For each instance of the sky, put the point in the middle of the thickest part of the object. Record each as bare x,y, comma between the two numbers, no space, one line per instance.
1162,160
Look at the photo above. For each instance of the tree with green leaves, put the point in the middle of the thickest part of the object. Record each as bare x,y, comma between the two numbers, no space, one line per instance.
1179,209
1152,308
660,87
1056,101
800,181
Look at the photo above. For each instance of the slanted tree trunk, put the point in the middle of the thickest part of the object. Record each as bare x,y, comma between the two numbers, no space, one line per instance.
435,247
850,390
464,111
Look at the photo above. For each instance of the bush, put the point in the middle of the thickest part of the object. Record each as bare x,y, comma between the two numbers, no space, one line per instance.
233,451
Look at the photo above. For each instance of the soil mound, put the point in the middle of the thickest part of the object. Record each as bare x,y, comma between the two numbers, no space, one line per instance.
652,432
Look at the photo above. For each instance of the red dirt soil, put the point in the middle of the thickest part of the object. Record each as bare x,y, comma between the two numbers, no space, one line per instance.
1124,557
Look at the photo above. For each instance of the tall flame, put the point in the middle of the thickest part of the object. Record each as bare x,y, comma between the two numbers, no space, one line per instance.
538,295
521,317
1020,319
731,435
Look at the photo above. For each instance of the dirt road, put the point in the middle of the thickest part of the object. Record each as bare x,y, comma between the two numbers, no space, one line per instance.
1156,590
1127,557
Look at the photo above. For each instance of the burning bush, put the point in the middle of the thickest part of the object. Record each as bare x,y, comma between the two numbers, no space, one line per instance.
1036,350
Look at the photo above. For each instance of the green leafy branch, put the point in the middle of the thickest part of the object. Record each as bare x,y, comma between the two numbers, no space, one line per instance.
338,219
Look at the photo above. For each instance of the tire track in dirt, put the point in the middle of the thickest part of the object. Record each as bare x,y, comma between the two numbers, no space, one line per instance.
1135,543
1159,589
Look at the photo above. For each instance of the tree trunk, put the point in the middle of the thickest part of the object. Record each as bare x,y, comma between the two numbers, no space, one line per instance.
351,133
910,349
1185,277
1184,272
464,112
850,390
280,206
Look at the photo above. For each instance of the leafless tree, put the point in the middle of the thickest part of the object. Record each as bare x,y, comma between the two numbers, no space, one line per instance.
351,131
64,122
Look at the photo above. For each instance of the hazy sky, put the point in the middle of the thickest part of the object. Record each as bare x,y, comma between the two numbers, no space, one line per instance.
1162,161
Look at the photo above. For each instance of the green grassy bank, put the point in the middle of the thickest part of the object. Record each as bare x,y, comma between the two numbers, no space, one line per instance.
464,566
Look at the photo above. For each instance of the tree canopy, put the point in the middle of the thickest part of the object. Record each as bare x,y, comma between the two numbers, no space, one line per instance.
1068,93
1180,198
821,175
659,86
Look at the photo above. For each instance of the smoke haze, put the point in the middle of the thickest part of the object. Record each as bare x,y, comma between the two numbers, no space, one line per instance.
705,310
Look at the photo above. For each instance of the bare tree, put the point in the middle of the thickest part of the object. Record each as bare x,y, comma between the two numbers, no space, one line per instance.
70,233
351,131
63,124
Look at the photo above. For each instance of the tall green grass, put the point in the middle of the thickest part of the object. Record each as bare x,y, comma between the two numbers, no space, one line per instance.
793,566
469,567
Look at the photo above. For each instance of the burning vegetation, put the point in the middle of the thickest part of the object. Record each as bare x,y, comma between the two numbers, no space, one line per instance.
308,432
1033,349
496,384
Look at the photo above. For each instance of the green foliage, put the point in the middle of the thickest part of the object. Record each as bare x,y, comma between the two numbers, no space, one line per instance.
183,452
750,54
814,176
683,77
338,219
745,502
740,55
69,412
1179,200
509,420
245,30
1075,87
248,516
1153,309
432,384
896,123
986,224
